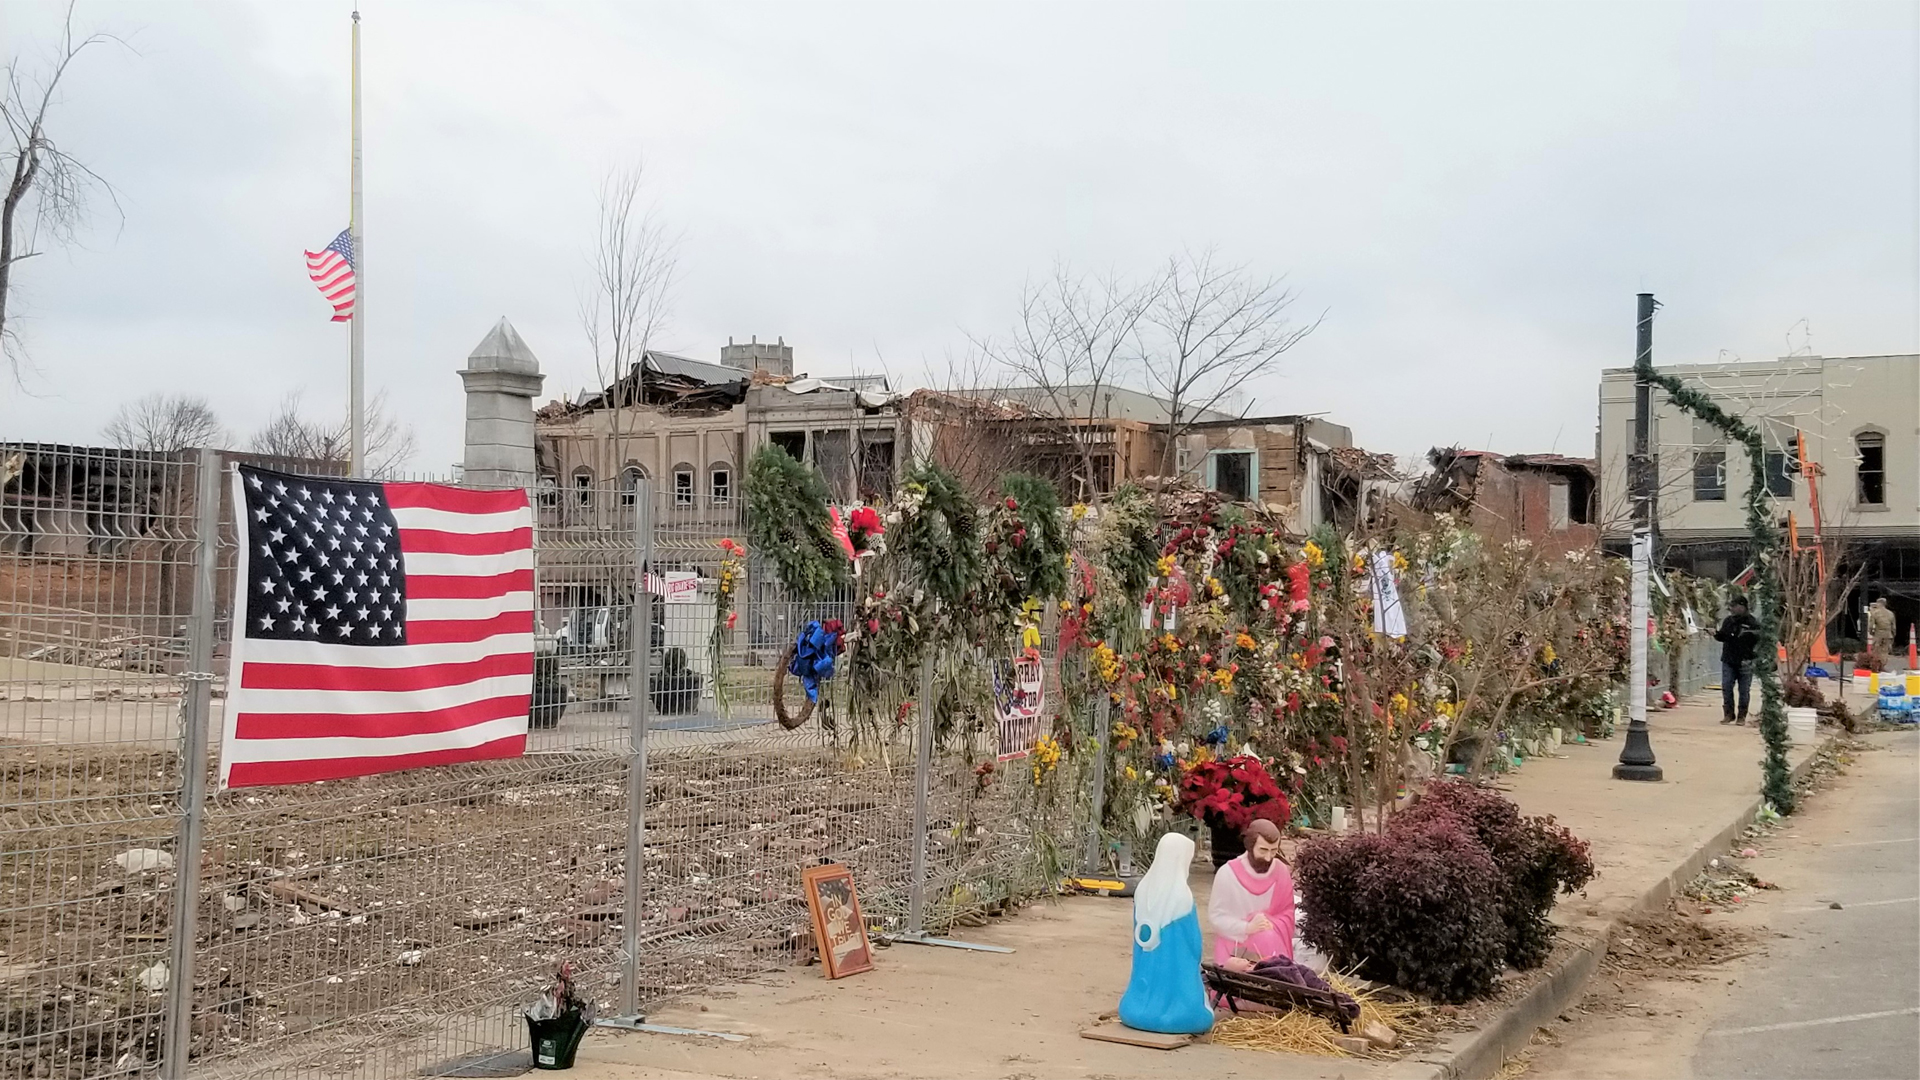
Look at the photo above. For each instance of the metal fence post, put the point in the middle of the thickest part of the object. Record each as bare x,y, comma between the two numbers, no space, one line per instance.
922,770
640,634
1101,722
194,710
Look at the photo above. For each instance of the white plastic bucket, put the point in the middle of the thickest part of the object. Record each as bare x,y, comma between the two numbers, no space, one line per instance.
1803,725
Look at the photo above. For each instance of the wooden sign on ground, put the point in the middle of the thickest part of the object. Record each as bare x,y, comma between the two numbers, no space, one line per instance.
1114,1031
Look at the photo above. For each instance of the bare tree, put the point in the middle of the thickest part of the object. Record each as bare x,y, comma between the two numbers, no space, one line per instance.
1076,337
296,437
635,261
1210,330
166,423
47,188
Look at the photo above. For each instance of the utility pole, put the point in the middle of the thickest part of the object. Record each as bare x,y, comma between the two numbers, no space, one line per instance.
1636,757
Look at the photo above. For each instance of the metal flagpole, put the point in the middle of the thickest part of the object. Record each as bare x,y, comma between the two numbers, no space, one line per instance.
356,332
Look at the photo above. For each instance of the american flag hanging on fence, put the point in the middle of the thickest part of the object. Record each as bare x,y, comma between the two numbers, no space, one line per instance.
331,268
386,626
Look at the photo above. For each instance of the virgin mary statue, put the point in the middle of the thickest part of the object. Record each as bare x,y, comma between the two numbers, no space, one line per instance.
1165,993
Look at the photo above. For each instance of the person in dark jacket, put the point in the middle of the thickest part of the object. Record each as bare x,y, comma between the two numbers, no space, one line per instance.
1738,634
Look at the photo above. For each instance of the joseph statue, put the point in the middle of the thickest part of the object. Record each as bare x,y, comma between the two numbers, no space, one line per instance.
1251,909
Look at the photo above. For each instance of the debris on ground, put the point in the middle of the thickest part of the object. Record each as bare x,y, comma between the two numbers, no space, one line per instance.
1675,941
1725,882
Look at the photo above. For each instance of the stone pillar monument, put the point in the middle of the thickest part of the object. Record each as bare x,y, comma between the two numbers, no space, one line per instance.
501,378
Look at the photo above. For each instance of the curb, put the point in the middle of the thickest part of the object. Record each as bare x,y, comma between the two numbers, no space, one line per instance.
1479,1054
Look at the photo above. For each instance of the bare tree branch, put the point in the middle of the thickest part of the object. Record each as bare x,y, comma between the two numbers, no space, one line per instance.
1076,336
166,423
635,262
47,188
1213,329
291,435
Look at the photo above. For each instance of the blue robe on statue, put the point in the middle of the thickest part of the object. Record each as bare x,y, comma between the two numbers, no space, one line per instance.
1165,993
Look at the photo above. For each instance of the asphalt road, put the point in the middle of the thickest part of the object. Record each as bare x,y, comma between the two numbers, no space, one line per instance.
1839,997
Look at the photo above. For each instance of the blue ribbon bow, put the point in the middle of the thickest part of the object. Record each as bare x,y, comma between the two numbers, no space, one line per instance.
813,653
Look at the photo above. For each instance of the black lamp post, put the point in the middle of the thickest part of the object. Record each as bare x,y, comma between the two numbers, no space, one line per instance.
1636,757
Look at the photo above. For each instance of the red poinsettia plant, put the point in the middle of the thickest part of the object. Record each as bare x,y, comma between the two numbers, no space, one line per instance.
863,525
1230,793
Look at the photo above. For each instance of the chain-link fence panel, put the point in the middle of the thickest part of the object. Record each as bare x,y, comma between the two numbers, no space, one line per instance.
378,926
96,570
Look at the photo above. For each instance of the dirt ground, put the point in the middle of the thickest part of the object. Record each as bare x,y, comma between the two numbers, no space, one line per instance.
382,903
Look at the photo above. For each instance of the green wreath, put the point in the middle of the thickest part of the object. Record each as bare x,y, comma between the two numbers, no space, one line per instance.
940,537
787,520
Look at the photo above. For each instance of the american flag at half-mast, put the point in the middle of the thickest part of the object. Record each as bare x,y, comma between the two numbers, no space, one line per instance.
377,627
331,269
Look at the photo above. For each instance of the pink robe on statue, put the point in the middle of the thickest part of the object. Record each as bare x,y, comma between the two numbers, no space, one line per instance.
1239,893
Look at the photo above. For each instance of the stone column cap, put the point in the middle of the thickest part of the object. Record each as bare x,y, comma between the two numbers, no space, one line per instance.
503,350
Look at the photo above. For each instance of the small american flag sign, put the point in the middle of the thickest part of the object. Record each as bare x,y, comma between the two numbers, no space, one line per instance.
377,627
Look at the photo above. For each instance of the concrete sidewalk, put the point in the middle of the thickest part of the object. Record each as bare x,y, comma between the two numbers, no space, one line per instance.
929,1012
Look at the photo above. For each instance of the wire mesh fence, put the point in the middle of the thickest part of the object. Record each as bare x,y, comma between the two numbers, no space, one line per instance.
675,786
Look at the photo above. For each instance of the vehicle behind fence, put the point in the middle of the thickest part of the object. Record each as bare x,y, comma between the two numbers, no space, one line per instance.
653,835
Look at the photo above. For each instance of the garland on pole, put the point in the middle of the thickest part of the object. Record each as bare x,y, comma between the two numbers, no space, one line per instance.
1777,782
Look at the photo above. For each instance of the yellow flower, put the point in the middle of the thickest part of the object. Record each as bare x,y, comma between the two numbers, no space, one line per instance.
1399,563
1213,587
1132,773
1169,643
1164,565
1079,511
1315,557
1245,641
1398,704
1106,663
1225,678
1030,637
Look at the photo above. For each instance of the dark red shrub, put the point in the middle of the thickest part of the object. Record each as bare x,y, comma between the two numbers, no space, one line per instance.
1417,907
1536,857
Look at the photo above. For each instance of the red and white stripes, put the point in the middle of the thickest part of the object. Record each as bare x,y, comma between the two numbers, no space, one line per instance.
457,690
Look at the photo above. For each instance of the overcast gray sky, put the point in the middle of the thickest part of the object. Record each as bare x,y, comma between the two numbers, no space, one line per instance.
1471,192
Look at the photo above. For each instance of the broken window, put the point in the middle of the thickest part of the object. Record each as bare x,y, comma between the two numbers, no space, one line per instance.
1558,504
793,442
876,468
1710,476
720,486
1779,475
1233,475
683,485
833,460
1102,474
1870,468
630,485
583,487
547,493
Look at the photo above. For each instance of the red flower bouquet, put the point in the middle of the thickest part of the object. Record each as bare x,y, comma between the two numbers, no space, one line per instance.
1230,794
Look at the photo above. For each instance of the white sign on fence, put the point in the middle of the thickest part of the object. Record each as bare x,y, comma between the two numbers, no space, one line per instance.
675,586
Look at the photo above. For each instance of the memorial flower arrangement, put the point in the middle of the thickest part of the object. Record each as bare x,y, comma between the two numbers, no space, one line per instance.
1229,793
730,580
